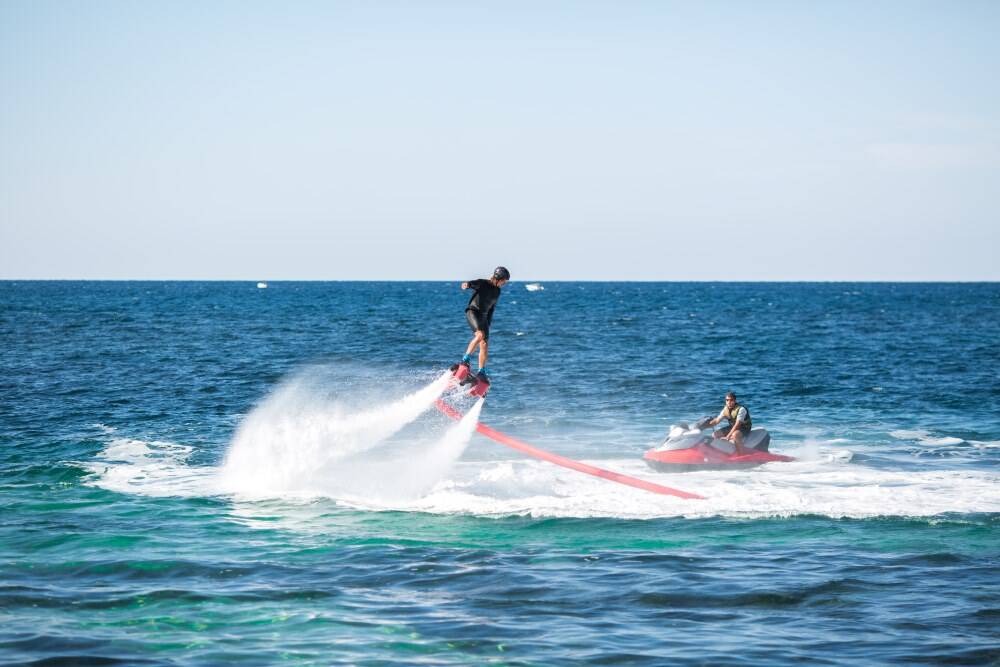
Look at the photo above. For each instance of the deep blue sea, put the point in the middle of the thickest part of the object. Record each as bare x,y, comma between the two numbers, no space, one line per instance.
212,473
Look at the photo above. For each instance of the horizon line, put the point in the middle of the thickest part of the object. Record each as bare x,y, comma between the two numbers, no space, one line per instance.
526,282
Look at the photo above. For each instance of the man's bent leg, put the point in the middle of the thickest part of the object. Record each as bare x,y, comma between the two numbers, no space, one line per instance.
477,339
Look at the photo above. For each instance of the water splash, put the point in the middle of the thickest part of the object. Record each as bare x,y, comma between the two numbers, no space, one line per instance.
292,443
396,483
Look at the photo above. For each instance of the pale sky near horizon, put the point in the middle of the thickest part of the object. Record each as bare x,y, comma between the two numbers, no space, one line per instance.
565,140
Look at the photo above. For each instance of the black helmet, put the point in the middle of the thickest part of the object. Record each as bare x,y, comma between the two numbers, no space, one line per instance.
501,273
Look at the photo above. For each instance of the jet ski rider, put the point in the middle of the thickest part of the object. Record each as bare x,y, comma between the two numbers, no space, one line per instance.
479,314
739,423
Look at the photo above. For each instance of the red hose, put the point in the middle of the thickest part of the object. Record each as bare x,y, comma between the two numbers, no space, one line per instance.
513,443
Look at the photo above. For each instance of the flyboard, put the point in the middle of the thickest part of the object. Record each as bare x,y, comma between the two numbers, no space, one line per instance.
480,385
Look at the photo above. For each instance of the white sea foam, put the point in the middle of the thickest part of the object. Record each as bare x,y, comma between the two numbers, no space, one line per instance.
430,478
985,444
908,435
925,438
154,468
827,487
299,445
947,440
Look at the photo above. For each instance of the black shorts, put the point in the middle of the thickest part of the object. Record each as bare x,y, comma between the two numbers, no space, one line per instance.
478,322
726,428
744,429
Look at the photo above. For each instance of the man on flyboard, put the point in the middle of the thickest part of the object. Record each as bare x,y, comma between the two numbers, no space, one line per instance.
479,315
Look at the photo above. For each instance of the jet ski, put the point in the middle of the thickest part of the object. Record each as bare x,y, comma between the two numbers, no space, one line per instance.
690,448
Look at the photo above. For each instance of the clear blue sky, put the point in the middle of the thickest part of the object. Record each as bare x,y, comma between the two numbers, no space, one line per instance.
567,140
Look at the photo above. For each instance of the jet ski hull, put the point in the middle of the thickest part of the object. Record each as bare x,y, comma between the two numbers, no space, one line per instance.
685,453
706,457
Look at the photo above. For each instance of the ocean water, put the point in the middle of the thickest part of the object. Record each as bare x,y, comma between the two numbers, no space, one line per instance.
212,473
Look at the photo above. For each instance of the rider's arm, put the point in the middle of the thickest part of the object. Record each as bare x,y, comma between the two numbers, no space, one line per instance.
474,284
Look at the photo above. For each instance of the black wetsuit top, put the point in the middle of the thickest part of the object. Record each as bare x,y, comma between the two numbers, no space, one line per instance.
479,312
484,297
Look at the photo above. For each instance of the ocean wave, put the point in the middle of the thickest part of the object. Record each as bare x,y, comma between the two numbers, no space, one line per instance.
925,438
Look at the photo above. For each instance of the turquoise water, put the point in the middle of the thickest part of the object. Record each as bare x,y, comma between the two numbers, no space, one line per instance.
211,473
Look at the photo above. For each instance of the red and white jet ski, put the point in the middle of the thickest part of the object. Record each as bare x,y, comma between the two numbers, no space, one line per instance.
690,448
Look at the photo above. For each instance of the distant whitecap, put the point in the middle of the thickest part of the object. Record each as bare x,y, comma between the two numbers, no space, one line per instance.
534,287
